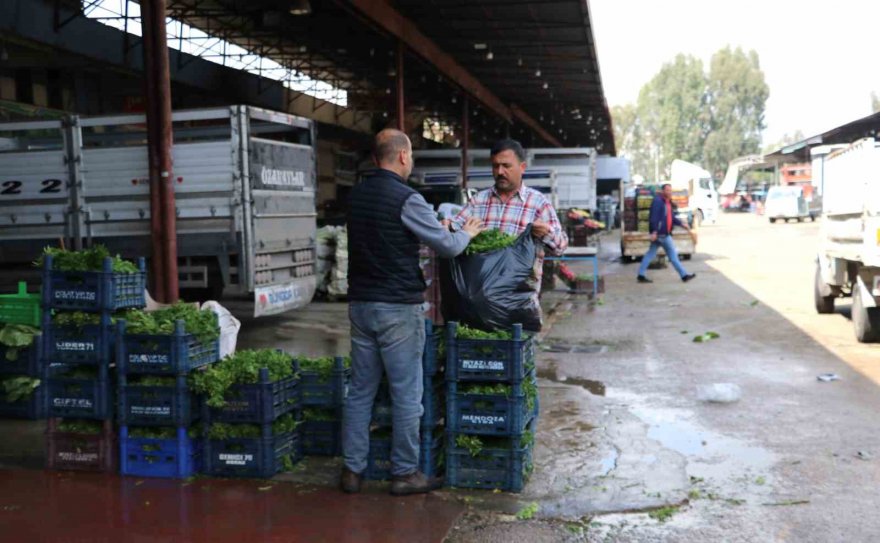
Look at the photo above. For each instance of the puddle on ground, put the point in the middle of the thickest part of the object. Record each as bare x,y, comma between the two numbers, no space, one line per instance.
609,462
596,388
709,454
557,347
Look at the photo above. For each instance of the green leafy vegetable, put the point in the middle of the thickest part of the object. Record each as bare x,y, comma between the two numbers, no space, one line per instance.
319,415
489,240
241,368
528,511
477,444
16,337
282,425
202,324
78,319
466,332
323,366
159,432
152,381
473,444
85,260
81,426
19,388
499,389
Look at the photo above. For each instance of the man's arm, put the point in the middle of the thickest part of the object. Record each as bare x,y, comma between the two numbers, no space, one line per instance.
656,216
419,217
466,212
556,241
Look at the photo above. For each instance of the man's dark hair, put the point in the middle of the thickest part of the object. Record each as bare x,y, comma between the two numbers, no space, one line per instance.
387,144
664,185
509,145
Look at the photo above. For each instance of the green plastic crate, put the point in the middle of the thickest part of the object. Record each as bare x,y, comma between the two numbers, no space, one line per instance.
21,308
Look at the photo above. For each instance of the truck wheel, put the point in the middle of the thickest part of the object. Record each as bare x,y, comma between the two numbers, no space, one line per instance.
800,219
866,320
772,220
686,256
824,304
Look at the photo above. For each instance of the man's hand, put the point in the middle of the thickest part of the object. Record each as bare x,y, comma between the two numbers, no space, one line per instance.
540,229
473,226
445,223
654,237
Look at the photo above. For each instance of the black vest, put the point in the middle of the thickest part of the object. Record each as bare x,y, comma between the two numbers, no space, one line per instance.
383,255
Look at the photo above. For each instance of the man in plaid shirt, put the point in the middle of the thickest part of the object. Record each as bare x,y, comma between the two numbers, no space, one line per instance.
510,206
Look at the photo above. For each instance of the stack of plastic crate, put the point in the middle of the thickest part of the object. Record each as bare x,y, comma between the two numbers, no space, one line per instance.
491,410
21,365
323,395
431,433
78,351
272,410
156,407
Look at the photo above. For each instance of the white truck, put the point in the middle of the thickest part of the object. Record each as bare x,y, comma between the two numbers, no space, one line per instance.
244,181
848,263
575,170
703,198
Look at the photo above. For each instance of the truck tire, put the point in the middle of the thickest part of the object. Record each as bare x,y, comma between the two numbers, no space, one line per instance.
772,220
866,320
686,256
824,304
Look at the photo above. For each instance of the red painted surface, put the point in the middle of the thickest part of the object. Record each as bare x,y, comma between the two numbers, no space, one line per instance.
46,506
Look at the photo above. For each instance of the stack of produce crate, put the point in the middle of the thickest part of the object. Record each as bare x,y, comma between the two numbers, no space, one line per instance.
22,392
431,433
251,414
492,408
324,383
643,200
156,352
81,292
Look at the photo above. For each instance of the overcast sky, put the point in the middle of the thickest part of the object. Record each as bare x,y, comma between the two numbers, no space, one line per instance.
819,58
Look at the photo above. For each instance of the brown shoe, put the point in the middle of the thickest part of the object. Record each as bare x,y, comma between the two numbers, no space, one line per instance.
350,481
414,483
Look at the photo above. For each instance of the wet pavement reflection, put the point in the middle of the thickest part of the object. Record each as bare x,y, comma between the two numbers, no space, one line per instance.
45,506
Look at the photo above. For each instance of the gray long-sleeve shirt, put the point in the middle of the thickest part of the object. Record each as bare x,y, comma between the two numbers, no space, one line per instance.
420,218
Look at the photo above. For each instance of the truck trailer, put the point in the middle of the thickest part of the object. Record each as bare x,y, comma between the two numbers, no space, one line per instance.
244,183
848,262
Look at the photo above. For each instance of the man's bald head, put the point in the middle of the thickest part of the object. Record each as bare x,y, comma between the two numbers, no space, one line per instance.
392,150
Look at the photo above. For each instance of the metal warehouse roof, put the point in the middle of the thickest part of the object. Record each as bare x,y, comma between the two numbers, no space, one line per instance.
531,62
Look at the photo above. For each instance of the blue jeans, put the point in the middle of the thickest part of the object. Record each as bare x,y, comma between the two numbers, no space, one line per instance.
668,246
387,338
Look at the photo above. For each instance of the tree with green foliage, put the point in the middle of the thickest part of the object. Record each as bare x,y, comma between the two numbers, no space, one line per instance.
685,113
737,98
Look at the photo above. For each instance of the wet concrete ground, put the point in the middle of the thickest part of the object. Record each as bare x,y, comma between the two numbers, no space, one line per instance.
625,449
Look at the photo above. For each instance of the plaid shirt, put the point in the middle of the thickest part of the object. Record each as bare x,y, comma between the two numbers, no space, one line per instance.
521,210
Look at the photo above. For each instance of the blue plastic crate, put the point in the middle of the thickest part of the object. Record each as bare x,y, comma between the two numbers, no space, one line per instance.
498,360
489,414
154,405
321,437
250,457
433,361
32,407
433,404
431,456
163,354
25,361
327,392
93,290
259,403
91,344
502,469
170,458
81,452
79,398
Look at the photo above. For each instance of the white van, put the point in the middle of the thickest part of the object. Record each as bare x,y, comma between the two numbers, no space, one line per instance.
787,202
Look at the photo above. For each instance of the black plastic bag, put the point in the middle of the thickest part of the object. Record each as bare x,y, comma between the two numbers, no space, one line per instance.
495,290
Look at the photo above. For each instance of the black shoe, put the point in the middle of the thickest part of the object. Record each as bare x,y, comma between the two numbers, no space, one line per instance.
414,483
643,279
688,277
350,481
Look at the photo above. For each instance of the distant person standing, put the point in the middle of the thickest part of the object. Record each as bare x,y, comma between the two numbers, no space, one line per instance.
661,221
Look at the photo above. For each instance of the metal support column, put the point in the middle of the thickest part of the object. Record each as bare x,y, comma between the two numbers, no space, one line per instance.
161,168
401,103
465,140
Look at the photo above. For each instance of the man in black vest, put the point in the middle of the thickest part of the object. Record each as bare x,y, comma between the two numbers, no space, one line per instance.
386,221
